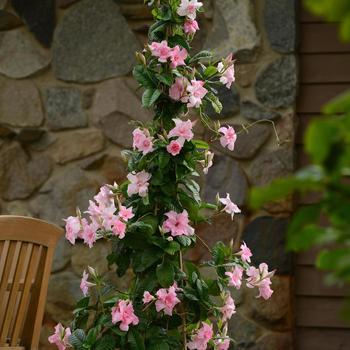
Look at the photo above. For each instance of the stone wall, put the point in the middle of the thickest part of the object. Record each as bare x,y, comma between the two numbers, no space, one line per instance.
66,100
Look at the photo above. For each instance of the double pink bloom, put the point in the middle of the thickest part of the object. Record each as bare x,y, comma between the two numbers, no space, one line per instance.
228,138
228,309
190,93
260,278
138,183
167,300
201,339
227,70
189,8
142,141
176,54
123,312
61,337
235,277
177,224
183,132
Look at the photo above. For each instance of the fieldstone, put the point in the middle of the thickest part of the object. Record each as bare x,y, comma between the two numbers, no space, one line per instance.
63,107
102,49
280,23
20,99
118,129
29,135
266,235
252,111
244,331
228,229
277,84
65,192
62,296
82,257
226,176
65,3
250,142
245,74
230,103
20,176
44,142
93,162
275,341
40,16
20,56
116,96
277,310
234,30
19,208
87,98
62,255
76,144
6,132
269,166
114,169
8,20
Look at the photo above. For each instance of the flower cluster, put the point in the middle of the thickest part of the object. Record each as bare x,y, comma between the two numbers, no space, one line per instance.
150,219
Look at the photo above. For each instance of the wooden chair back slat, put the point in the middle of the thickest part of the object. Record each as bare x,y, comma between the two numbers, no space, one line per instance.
26,254
13,296
24,302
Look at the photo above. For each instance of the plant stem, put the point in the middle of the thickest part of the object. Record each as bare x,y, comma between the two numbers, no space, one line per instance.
183,313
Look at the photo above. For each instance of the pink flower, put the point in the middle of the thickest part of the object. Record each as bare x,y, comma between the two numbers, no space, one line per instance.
61,337
235,277
138,183
201,339
227,70
84,285
189,8
123,312
222,344
178,56
147,297
245,253
182,129
119,228
166,300
125,213
229,137
89,234
191,26
178,89
142,141
177,224
230,207
105,197
260,278
73,228
175,147
196,93
160,50
228,309
107,216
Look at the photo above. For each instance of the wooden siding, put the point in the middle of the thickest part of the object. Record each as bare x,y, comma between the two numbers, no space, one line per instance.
324,64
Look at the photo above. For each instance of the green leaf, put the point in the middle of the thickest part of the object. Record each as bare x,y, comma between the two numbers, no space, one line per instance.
164,158
166,79
179,40
150,96
107,342
135,340
199,144
184,240
142,75
159,346
215,102
210,71
172,248
165,273
202,55
340,104
77,339
334,259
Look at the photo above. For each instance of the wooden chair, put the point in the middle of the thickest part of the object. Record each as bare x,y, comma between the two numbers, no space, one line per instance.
26,252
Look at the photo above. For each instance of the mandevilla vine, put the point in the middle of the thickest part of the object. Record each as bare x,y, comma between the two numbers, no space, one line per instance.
150,219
